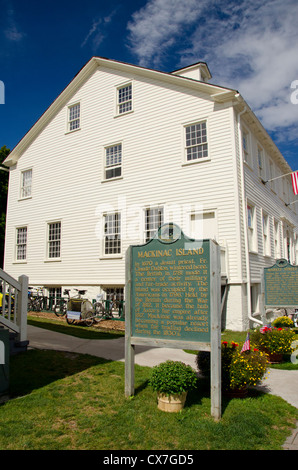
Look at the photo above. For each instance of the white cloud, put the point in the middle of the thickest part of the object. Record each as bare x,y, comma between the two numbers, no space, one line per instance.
12,31
97,31
249,45
158,25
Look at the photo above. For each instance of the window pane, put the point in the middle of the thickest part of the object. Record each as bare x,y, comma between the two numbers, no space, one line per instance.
26,183
54,240
125,99
21,243
112,234
154,219
113,161
196,141
74,117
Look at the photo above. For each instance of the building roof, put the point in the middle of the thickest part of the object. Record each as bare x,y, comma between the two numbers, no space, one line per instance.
217,93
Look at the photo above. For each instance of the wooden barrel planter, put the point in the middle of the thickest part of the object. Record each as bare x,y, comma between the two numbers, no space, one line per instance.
172,403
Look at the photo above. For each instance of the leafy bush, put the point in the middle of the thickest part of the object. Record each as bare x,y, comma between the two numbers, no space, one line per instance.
172,378
273,340
238,369
283,322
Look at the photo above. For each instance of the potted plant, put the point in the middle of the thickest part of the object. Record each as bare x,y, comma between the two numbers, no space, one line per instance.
240,369
172,380
274,341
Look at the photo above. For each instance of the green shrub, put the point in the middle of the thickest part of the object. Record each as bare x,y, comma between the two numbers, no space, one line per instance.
283,322
172,378
273,340
238,369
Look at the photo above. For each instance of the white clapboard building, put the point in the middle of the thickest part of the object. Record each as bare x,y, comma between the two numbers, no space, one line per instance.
124,149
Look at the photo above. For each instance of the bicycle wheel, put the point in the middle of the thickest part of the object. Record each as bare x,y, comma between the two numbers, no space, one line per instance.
37,306
70,321
89,318
60,310
99,310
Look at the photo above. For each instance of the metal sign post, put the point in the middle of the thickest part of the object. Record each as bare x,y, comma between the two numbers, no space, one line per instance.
173,300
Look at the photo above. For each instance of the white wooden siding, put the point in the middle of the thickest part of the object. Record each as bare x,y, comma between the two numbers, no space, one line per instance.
68,173
68,180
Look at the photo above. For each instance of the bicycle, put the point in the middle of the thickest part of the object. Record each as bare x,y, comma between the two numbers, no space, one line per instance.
35,300
60,307
101,311
79,309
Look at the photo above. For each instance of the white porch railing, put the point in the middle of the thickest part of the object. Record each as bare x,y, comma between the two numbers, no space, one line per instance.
13,313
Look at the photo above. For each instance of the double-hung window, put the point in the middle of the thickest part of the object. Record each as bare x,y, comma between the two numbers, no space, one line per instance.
196,141
247,157
112,233
260,162
54,240
251,227
74,112
277,250
124,98
266,235
26,183
113,161
154,218
21,244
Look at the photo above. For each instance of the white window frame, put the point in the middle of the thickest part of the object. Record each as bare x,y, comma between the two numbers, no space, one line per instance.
251,227
200,147
272,175
50,243
296,248
277,245
72,120
116,159
26,186
55,293
112,237
266,234
154,217
246,146
121,102
261,162
21,243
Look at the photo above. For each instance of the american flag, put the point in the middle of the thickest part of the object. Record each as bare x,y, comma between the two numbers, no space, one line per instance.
294,177
246,345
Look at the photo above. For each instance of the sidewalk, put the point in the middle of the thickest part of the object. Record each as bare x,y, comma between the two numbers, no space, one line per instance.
282,383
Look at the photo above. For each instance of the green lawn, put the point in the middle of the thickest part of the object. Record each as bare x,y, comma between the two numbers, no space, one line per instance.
70,401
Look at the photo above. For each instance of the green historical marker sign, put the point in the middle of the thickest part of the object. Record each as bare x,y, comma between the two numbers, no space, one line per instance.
170,294
172,299
281,285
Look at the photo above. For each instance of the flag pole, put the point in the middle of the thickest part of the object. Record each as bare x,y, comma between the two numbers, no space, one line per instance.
277,177
289,203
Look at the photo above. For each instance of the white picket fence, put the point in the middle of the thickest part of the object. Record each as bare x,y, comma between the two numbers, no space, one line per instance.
13,313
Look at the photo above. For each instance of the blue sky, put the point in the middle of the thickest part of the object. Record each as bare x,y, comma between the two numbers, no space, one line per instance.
249,45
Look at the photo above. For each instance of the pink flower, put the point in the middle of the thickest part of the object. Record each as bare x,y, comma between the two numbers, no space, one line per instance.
264,329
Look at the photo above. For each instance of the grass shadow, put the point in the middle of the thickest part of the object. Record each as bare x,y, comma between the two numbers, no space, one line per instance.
77,331
34,369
